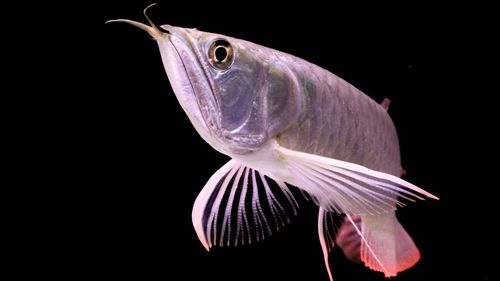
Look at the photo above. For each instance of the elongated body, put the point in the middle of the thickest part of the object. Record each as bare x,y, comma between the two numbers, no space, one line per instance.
284,121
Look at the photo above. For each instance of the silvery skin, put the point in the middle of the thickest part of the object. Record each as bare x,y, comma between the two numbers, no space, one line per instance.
283,120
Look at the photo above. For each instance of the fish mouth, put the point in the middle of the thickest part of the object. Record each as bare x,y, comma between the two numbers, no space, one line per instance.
196,73
189,76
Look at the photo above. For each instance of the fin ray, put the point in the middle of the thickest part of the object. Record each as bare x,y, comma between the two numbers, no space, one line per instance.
236,198
349,188
325,239
386,246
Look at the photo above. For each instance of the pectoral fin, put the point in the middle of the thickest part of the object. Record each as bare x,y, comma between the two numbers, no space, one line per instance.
239,205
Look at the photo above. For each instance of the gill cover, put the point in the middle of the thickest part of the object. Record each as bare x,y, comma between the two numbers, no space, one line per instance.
257,97
237,94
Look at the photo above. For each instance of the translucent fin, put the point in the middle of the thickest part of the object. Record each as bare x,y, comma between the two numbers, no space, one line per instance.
239,205
326,232
349,240
366,250
346,187
386,246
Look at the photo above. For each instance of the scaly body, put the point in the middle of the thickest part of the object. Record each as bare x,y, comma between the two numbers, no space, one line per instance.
284,120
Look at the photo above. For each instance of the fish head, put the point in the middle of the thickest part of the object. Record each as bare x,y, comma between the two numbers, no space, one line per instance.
236,94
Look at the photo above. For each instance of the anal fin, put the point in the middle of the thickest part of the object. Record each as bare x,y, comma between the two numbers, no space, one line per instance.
386,246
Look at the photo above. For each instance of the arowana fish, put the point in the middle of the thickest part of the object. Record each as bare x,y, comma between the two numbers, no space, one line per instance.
284,121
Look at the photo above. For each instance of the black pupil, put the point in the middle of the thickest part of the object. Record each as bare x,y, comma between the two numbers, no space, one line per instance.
220,53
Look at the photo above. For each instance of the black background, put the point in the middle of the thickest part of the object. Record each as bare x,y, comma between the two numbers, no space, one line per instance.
151,164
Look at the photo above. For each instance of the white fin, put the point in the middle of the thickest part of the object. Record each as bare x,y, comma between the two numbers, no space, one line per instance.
326,232
366,250
346,187
386,246
239,205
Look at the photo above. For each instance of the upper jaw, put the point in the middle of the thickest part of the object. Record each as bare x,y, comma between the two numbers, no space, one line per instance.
190,79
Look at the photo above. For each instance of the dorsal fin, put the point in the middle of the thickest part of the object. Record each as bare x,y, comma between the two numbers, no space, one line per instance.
385,104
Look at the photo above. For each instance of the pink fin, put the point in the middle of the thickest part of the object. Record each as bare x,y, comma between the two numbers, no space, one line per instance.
386,246
349,240
385,103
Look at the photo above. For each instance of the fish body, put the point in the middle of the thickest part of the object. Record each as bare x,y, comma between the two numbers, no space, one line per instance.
285,121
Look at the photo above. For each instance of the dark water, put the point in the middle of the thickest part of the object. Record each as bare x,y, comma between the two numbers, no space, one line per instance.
154,164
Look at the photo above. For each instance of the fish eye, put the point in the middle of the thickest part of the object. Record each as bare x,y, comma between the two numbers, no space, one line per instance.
220,54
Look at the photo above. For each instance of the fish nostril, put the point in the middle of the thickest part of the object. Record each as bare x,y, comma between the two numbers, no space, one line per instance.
163,29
